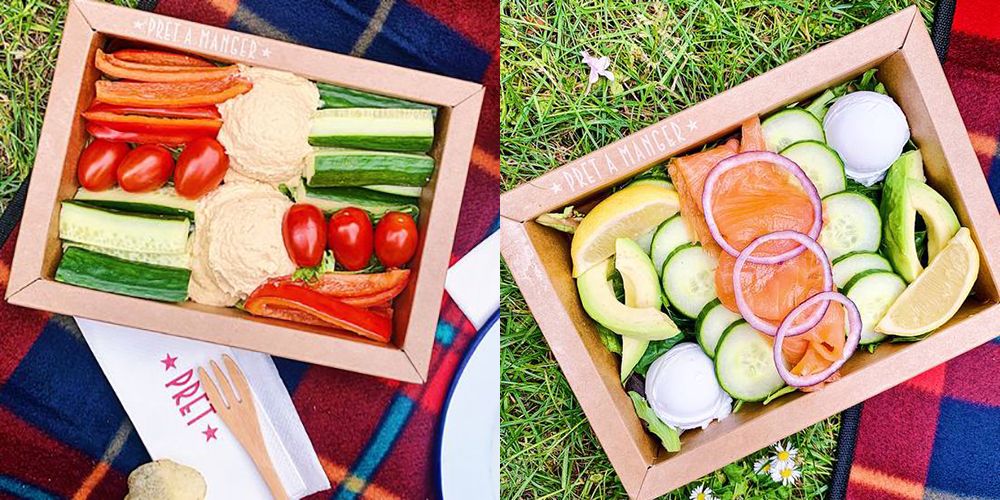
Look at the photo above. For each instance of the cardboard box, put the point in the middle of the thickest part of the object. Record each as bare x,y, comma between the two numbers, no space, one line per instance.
89,25
539,257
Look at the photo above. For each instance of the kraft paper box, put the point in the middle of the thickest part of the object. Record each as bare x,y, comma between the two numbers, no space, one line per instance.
539,257
89,25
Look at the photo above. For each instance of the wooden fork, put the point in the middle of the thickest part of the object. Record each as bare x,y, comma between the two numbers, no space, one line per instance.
240,417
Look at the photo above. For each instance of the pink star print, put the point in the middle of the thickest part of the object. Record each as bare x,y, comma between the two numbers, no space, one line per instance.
209,432
169,362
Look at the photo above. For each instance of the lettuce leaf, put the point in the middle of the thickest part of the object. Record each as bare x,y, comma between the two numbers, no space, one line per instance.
669,437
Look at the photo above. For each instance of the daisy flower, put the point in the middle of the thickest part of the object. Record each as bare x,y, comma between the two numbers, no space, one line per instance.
785,453
703,492
785,473
762,466
598,68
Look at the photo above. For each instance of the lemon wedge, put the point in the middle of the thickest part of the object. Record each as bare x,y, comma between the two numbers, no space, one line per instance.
937,293
628,213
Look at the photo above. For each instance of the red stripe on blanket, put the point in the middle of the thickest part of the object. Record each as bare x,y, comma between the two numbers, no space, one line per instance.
36,458
214,12
21,326
902,422
978,17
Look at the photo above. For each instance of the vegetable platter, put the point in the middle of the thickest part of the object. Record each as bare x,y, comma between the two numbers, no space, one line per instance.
245,191
751,265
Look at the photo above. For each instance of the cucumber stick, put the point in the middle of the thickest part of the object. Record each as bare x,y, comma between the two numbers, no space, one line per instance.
110,274
390,129
103,227
412,191
335,96
744,363
181,260
331,199
353,167
163,201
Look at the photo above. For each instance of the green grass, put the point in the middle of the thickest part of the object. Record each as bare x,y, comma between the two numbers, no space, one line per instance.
30,31
666,56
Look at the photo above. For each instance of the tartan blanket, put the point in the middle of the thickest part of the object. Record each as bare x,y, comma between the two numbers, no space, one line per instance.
63,433
937,436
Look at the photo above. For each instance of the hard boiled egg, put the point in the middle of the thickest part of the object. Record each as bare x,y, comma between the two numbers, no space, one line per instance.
682,389
869,131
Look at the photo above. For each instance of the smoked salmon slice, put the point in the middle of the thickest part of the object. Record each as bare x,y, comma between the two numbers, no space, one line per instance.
749,202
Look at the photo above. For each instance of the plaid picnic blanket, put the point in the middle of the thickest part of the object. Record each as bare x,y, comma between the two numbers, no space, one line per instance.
63,432
937,436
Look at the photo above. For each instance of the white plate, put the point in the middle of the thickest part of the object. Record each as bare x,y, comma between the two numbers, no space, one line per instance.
469,459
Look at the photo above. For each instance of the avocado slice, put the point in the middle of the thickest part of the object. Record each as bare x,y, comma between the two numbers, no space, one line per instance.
598,299
904,195
642,289
939,217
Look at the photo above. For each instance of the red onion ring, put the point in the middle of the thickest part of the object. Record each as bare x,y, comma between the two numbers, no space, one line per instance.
743,257
753,157
853,337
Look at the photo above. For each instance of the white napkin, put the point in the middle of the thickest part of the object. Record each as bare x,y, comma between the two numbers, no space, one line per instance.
155,377
474,281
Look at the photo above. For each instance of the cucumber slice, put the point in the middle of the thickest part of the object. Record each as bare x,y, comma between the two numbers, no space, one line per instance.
163,201
789,126
848,266
376,203
645,240
689,279
821,164
411,191
850,224
671,235
652,181
744,363
873,292
713,320
113,229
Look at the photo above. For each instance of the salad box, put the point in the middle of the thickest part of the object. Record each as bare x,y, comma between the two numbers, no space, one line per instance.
89,25
539,257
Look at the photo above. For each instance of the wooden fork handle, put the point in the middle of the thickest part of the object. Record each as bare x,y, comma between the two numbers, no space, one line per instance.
266,467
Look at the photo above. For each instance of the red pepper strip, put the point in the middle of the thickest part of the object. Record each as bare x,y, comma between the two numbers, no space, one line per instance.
160,57
374,299
111,66
361,290
210,111
111,132
336,313
171,95
298,316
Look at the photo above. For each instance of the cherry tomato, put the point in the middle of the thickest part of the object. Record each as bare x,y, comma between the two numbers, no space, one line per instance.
351,239
200,168
395,239
99,163
304,231
145,168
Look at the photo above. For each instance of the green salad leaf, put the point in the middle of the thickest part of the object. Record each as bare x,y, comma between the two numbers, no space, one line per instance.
611,340
326,265
780,392
669,437
654,350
